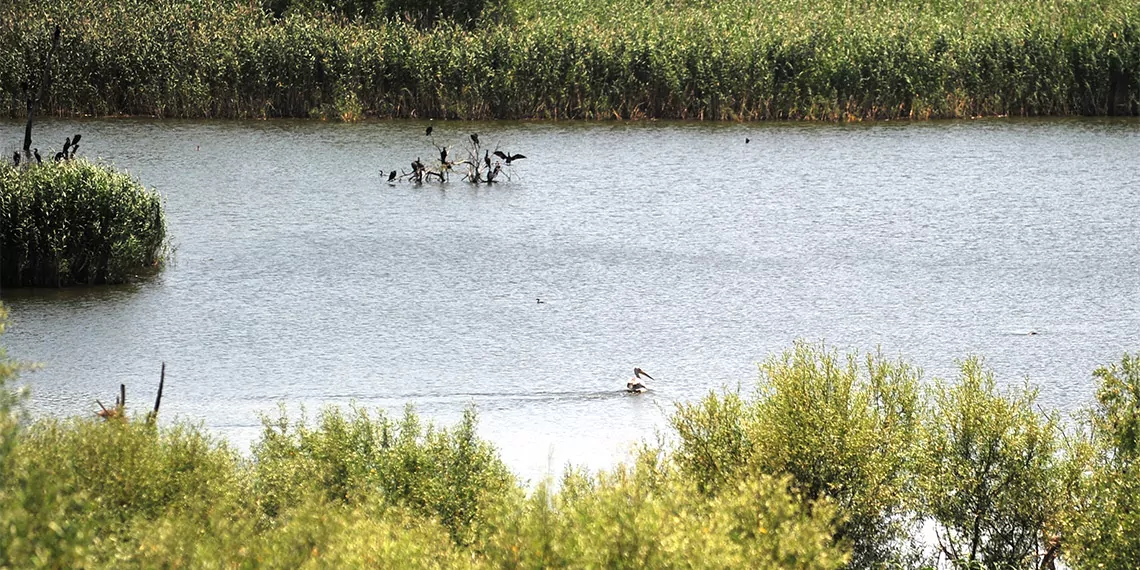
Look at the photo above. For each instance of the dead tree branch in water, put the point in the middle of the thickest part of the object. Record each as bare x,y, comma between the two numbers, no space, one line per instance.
33,103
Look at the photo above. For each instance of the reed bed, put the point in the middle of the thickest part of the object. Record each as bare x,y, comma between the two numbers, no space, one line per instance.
573,59
74,222
555,59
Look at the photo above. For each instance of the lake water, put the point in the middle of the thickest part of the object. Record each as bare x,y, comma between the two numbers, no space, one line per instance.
299,276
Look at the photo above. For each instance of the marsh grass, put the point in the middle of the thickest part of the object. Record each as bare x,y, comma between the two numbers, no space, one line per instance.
573,59
75,222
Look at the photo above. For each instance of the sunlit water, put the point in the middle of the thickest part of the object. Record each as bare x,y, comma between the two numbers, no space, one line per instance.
300,277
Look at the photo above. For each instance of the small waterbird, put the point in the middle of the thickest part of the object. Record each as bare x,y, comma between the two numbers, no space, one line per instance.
487,159
508,158
392,176
16,158
60,156
443,155
747,140
427,133
36,153
635,384
475,138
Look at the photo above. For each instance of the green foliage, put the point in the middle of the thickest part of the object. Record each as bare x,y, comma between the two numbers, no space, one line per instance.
449,475
75,222
842,428
991,476
647,516
572,59
1105,532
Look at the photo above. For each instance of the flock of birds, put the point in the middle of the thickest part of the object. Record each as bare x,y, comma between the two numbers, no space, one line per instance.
420,171
69,147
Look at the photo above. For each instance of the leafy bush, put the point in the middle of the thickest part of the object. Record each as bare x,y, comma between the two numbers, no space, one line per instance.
450,475
646,516
991,476
76,222
841,428
1105,532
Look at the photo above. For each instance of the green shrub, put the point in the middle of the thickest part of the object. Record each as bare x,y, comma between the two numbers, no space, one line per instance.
647,516
75,222
991,476
1105,532
447,474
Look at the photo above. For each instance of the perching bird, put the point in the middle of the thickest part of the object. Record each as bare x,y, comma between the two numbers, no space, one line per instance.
59,156
417,165
508,158
443,155
428,132
475,138
747,140
16,158
487,159
392,176
36,153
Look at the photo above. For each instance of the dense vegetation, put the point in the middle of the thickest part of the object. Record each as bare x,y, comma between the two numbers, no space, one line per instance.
833,462
74,222
591,59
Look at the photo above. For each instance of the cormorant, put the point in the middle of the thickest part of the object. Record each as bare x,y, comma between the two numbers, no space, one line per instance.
475,138
392,176
747,140
417,165
487,158
36,153
59,156
443,155
635,384
428,132
508,158
16,158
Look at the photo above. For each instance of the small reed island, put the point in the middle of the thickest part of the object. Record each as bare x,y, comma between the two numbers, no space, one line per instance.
69,221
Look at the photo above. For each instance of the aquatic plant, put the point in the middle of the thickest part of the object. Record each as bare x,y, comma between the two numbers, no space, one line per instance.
74,222
572,59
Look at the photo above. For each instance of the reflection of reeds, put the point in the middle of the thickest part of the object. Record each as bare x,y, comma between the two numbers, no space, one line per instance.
75,222
737,60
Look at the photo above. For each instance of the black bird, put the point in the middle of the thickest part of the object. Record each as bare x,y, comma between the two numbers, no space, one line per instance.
443,155
487,159
417,165
747,140
59,156
75,140
475,138
428,133
66,145
36,153
392,176
16,158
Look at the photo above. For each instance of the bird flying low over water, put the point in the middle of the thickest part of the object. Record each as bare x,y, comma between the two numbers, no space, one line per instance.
635,385
508,158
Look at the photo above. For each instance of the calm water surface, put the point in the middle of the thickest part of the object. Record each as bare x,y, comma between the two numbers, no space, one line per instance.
300,277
